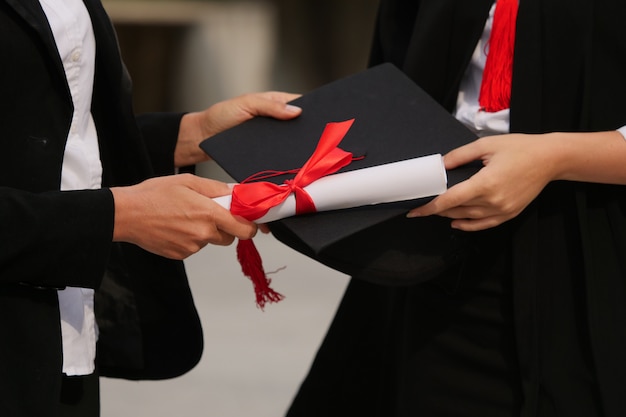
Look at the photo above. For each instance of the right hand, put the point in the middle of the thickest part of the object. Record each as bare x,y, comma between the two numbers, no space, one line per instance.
175,216
516,169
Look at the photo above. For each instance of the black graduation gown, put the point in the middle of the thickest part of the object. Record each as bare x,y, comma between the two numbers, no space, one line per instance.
564,256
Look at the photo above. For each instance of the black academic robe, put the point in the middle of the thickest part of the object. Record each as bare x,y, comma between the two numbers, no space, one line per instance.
568,248
149,327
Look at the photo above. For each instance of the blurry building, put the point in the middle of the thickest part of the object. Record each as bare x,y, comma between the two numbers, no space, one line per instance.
185,55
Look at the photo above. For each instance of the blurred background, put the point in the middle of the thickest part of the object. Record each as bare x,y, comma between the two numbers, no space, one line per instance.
184,56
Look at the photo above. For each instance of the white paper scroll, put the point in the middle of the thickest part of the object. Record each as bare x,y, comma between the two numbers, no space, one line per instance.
398,181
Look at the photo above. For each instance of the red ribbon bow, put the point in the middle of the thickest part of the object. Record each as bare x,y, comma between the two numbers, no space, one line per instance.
253,200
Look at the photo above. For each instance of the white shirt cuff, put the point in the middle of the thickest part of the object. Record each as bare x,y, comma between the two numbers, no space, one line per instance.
622,130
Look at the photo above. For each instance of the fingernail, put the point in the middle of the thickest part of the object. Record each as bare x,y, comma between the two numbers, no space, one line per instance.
292,109
412,214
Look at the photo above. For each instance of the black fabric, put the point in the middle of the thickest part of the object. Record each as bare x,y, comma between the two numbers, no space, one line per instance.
30,365
568,268
146,295
564,367
80,396
431,41
160,125
568,77
387,253
60,262
444,348
51,239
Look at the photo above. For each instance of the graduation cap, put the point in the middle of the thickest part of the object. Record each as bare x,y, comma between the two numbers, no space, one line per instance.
394,120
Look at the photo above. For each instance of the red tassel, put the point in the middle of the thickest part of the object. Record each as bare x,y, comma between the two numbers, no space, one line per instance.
495,90
252,267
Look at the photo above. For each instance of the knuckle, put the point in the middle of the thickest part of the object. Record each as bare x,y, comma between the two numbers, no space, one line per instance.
192,247
505,205
185,177
249,234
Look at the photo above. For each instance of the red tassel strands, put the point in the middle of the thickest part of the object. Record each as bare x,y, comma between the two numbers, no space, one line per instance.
252,267
495,90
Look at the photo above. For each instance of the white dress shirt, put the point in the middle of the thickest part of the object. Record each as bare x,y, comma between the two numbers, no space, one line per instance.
73,34
468,110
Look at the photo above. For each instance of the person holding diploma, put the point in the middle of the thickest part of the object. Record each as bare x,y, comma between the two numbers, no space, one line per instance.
91,208
532,321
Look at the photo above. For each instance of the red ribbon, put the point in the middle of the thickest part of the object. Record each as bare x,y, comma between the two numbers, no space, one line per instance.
495,89
253,200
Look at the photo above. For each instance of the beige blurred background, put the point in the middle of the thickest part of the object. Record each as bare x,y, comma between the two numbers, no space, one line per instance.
186,55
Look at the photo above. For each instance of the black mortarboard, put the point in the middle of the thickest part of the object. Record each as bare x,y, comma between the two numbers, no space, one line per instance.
394,120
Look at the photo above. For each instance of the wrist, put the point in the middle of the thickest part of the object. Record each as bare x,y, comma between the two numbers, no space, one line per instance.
190,134
559,152
590,157
123,217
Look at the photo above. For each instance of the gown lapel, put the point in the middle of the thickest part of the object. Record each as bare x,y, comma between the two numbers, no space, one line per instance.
33,14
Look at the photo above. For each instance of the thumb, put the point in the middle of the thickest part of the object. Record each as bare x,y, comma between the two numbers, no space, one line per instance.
272,104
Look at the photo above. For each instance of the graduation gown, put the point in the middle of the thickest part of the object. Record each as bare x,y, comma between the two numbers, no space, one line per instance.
565,255
149,326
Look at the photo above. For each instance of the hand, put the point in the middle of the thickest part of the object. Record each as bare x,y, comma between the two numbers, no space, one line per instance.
516,168
175,217
196,127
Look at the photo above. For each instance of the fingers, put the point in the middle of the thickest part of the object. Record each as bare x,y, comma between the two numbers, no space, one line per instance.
466,218
469,225
456,196
471,206
511,178
225,222
205,186
279,96
271,104
480,149
235,226
229,113
464,155
465,205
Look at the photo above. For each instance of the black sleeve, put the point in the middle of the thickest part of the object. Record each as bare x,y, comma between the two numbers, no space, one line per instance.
55,239
160,133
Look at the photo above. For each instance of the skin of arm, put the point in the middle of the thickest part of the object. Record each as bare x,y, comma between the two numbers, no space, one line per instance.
517,167
175,216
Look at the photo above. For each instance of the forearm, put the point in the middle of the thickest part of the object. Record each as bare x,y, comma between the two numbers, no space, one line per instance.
598,157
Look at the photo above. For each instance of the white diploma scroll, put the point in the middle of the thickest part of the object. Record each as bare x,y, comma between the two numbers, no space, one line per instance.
398,181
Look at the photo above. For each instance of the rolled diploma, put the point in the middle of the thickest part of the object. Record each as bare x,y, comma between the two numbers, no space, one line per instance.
397,181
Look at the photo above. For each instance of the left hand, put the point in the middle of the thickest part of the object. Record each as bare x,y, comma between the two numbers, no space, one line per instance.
516,168
196,127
